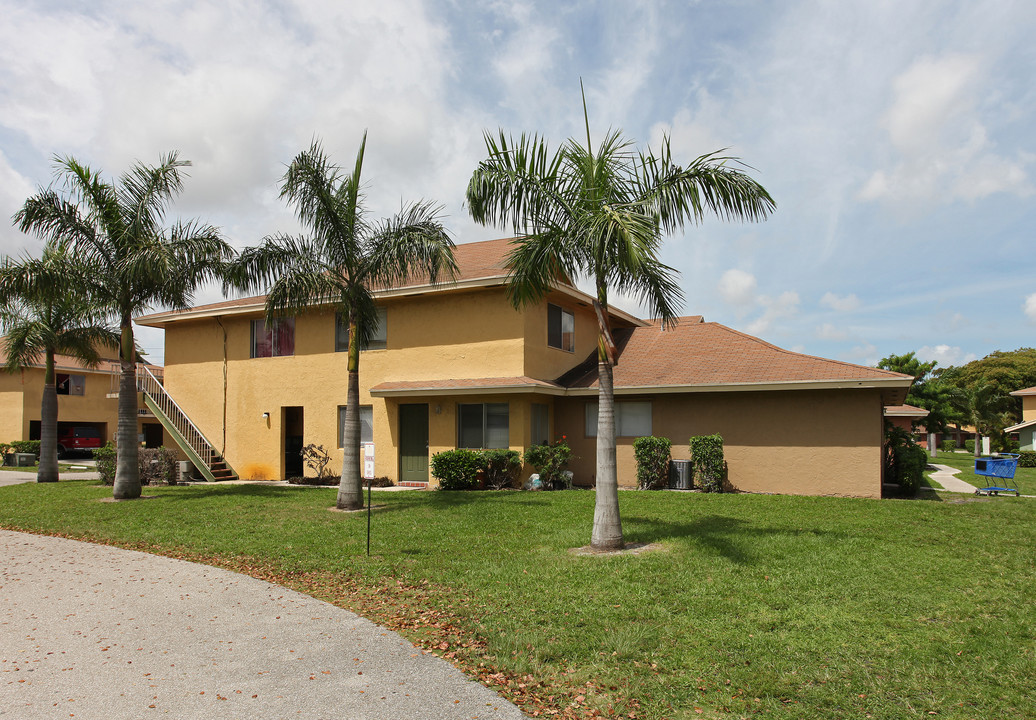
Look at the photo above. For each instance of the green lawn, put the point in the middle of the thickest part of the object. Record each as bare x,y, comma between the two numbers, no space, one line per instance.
62,467
1024,478
756,606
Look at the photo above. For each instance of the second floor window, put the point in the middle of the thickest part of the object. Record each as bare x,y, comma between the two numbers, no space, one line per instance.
273,339
70,384
378,342
561,328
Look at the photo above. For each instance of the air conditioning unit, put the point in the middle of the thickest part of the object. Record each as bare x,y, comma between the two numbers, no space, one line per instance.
680,475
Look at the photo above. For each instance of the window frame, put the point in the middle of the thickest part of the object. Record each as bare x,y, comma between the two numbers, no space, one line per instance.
367,410
275,332
378,342
75,384
486,429
620,423
562,335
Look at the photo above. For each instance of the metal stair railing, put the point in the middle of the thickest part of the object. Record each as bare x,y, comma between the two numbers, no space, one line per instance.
184,431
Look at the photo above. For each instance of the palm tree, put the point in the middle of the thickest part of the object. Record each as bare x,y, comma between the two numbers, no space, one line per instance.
602,215
339,263
118,229
981,405
45,312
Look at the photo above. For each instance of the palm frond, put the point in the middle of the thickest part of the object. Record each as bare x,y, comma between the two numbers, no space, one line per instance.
410,246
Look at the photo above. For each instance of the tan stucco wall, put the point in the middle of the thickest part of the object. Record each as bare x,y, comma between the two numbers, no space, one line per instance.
12,407
1028,408
547,363
822,442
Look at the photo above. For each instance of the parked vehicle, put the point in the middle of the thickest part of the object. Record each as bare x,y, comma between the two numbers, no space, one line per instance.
78,438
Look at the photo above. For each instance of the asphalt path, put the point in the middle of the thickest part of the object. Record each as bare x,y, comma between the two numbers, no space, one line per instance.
89,631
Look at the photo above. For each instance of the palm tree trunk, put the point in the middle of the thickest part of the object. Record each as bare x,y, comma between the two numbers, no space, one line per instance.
350,489
127,472
607,533
48,470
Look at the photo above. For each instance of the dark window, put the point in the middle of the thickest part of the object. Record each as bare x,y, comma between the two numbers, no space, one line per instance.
632,419
274,339
70,384
561,328
540,434
378,342
482,426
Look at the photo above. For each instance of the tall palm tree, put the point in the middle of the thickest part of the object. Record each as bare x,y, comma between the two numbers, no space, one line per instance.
602,214
343,259
981,405
44,311
118,229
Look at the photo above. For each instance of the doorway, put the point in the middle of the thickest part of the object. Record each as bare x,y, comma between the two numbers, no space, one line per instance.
413,443
293,422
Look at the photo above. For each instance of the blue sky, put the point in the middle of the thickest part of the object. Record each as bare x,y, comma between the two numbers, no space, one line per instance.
896,137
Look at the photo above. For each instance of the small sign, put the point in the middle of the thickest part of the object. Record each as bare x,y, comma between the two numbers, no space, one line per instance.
368,460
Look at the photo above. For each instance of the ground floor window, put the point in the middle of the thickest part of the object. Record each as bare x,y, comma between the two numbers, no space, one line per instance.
482,426
632,419
540,434
366,424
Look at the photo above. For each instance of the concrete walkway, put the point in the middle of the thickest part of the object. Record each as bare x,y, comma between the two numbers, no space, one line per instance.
946,476
89,631
16,477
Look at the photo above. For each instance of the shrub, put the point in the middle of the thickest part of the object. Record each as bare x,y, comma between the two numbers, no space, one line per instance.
26,446
500,468
457,469
550,462
105,457
969,445
314,480
948,445
1027,459
157,465
909,463
652,455
382,481
4,449
317,459
707,462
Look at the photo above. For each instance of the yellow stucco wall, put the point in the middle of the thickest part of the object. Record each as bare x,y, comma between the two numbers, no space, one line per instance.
12,407
442,336
821,442
1028,408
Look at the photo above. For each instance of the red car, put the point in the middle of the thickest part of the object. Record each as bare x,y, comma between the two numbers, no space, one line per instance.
78,438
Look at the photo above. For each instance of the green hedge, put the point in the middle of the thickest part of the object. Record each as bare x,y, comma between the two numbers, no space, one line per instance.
1027,459
652,456
456,469
105,457
500,468
969,445
948,445
707,462
550,462
26,446
909,462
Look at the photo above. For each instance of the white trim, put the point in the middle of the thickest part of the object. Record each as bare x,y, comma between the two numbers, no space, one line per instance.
1020,426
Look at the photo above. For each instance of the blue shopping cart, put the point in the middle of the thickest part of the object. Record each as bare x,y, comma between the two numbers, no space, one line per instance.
1001,466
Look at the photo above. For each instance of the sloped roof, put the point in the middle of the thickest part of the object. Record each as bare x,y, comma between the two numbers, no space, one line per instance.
1026,391
462,385
478,264
705,355
905,411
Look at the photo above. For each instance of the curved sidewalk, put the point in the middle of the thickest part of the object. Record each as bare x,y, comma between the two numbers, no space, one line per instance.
947,477
90,631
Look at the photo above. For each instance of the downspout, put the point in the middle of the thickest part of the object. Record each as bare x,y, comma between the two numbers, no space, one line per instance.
223,449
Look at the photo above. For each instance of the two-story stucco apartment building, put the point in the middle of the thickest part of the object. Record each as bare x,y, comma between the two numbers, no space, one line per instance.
456,366
1026,429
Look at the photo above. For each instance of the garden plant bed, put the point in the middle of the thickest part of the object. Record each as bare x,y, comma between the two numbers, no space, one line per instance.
758,606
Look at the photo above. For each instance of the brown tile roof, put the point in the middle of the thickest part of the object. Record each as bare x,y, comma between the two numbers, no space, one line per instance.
476,261
697,353
905,411
1026,391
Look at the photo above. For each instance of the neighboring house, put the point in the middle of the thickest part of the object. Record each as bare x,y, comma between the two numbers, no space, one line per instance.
1026,429
910,419
87,398
456,366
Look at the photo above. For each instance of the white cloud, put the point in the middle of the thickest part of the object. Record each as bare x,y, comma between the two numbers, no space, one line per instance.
737,287
1030,307
865,354
945,355
842,304
941,142
785,305
827,331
